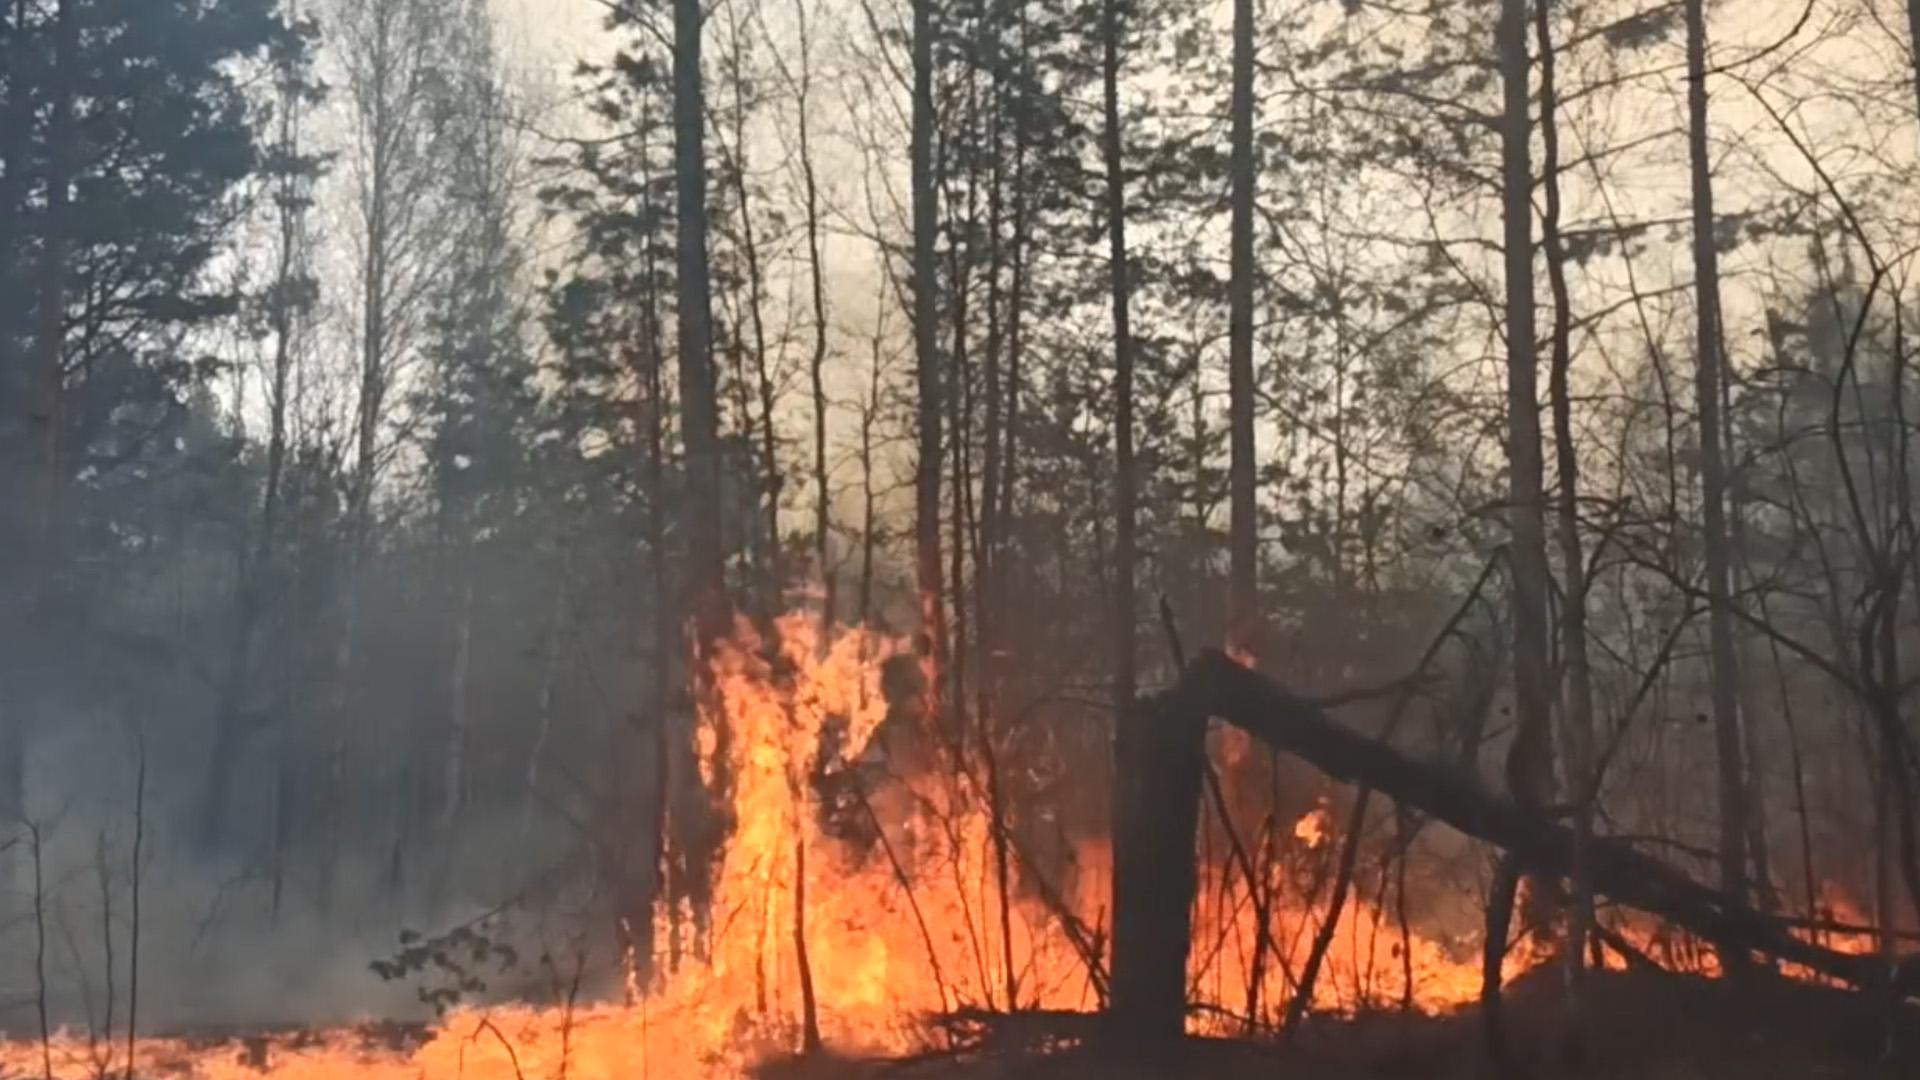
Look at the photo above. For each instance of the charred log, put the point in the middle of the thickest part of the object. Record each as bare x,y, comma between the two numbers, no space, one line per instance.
1159,753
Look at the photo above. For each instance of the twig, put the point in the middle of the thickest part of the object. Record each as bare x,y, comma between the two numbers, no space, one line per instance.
133,942
40,952
104,1068
906,888
486,1024
1632,955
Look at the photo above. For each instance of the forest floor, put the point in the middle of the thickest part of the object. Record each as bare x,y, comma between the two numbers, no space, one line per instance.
1644,1026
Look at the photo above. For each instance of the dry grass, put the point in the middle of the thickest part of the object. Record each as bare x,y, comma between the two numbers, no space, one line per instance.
1640,1026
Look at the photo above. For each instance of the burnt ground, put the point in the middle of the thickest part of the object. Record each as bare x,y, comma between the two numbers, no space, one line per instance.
1641,1025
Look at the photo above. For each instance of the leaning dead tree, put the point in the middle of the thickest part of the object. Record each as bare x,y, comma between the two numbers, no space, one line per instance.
1158,766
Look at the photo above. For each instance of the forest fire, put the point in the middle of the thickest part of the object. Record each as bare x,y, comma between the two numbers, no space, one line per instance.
895,901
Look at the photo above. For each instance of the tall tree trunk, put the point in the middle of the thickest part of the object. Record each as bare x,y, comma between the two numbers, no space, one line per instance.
987,553
928,571
1016,302
1577,692
959,431
869,492
46,406
47,411
1529,768
459,717
1125,493
549,683
707,604
809,1011
648,760
1913,43
771,570
817,366
1530,763
1713,486
1243,601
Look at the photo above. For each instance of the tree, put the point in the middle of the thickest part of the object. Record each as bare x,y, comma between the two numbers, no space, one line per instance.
1577,693
290,172
708,607
928,376
394,83
1708,351
478,400
1244,556
1126,492
107,269
1529,768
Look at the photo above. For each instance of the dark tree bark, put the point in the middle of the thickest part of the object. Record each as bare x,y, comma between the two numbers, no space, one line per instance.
1529,766
699,412
817,366
47,409
1244,550
1913,43
1159,753
734,156
1713,484
709,611
1125,489
1577,691
928,377
46,404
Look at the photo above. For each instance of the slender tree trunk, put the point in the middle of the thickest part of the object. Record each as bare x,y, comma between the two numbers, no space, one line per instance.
650,760
47,412
704,574
817,367
1577,693
1244,553
1746,643
928,375
1530,763
987,561
46,407
959,435
459,719
1529,767
869,493
771,569
1016,303
1713,485
14,136
1125,493
549,682
699,413
809,1008
1913,43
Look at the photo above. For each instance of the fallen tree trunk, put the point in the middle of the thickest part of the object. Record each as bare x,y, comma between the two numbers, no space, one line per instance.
1214,685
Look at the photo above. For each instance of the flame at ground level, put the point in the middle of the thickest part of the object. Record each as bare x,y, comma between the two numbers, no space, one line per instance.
904,915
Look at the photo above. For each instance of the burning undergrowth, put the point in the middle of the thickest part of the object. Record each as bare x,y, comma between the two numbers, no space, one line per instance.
875,892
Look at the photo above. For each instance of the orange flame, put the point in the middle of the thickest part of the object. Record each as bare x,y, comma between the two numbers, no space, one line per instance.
1311,829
